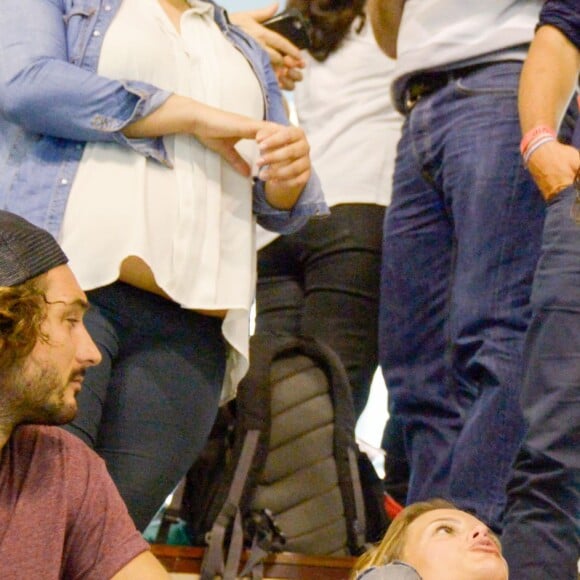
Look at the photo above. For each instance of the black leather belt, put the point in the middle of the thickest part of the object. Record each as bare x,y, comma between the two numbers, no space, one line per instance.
424,84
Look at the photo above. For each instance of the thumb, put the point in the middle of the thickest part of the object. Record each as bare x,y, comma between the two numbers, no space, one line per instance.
261,14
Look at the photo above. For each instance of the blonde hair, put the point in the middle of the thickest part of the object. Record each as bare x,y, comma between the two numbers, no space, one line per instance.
391,547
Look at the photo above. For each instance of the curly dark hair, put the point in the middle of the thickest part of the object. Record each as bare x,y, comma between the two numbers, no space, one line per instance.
22,311
331,20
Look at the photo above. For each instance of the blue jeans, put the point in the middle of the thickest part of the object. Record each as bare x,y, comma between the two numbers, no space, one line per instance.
148,408
542,532
461,241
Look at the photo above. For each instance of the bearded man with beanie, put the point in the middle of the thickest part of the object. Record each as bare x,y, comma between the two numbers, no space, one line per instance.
61,514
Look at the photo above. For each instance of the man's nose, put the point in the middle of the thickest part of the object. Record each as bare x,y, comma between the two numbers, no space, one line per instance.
89,354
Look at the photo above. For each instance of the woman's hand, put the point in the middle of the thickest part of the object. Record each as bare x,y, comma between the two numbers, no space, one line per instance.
553,167
286,58
284,163
216,129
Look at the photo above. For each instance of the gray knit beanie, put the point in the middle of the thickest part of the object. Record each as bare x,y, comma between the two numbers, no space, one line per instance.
26,250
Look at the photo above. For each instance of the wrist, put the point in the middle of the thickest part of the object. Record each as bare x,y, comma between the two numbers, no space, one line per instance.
534,139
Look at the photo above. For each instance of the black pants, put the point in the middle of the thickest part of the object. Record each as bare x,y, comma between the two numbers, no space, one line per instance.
323,281
148,408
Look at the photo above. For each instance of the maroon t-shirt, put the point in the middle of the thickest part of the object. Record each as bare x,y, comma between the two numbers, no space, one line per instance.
60,513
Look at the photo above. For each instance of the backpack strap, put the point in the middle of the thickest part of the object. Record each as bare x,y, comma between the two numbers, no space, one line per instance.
360,524
255,561
344,444
213,561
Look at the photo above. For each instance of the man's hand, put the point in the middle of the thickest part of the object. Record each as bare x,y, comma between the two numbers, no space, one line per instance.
284,163
553,167
285,57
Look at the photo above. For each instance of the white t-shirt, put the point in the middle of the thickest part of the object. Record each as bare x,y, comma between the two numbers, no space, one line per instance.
438,34
344,106
193,224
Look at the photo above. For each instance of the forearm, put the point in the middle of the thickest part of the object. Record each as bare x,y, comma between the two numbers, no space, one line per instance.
385,18
177,115
548,79
183,115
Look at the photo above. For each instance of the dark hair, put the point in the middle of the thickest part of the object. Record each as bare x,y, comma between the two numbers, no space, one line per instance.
22,311
331,20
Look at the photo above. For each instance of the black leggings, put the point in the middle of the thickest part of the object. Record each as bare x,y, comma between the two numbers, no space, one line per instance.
148,408
323,281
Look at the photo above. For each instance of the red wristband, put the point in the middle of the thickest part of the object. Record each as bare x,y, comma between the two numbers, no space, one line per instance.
532,134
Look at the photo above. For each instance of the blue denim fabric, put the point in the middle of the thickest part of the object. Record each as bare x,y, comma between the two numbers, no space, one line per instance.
461,241
544,494
148,408
52,103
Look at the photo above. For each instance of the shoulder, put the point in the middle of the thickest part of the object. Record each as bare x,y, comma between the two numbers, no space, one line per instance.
54,450
28,438
54,438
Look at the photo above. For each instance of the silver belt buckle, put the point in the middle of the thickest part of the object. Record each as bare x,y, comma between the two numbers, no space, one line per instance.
410,101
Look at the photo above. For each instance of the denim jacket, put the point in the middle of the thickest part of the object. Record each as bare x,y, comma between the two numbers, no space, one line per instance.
52,102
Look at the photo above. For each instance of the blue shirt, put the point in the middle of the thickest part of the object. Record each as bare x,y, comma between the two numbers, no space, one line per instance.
564,15
52,102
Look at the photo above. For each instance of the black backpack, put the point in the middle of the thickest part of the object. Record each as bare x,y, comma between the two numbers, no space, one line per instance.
282,470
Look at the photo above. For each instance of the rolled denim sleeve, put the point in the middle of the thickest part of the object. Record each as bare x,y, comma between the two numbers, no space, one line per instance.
44,93
311,201
149,99
310,204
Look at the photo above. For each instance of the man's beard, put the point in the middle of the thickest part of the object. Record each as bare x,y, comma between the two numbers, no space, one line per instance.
41,397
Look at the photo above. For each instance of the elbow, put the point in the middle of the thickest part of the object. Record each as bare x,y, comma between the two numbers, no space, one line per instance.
389,48
12,108
387,43
26,94
18,102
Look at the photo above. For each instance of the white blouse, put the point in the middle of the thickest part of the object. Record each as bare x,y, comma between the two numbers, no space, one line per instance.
344,106
193,224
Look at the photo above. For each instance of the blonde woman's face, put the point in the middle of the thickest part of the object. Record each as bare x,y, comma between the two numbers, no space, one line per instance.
448,544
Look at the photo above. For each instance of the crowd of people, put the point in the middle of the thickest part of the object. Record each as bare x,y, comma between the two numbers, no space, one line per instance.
148,142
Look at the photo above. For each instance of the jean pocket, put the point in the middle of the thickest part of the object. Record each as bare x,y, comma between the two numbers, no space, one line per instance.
564,193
